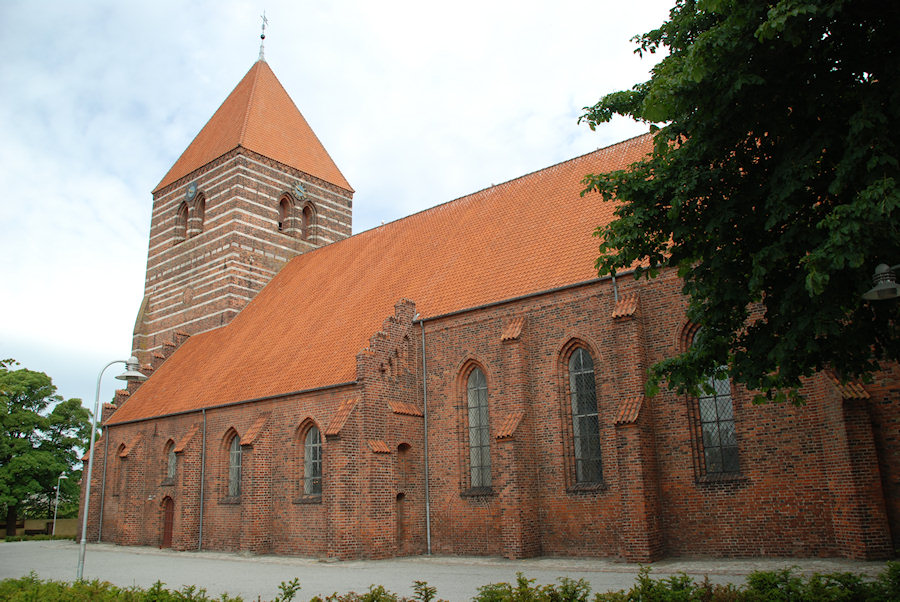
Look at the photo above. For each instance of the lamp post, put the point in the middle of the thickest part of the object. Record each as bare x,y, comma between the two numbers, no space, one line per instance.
56,505
885,281
131,373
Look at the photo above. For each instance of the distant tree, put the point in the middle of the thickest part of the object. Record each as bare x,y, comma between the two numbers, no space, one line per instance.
40,435
772,186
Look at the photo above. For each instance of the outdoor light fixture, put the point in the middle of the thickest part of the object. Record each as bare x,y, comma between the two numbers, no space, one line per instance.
56,505
132,372
885,281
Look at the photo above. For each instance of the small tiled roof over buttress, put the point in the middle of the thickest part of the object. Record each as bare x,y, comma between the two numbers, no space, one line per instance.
260,116
304,329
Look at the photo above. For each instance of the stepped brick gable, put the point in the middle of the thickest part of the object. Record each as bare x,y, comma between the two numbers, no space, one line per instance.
459,381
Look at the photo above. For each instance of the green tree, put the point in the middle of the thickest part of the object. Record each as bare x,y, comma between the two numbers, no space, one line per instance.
771,188
40,436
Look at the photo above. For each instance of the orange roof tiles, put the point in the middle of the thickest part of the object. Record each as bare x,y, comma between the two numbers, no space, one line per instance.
379,447
629,410
625,306
512,329
850,389
260,116
254,431
509,425
304,329
130,446
186,439
343,412
407,409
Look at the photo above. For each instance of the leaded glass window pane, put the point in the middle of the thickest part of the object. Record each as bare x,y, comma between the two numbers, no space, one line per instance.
479,430
312,463
717,426
585,421
234,467
171,459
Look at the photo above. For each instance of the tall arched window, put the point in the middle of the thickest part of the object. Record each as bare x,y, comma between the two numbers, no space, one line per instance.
479,430
585,421
715,415
171,460
312,462
234,467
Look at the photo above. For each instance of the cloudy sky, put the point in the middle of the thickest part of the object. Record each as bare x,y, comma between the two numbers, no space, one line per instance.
417,102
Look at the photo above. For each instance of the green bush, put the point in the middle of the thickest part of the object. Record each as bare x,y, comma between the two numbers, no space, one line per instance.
41,537
760,586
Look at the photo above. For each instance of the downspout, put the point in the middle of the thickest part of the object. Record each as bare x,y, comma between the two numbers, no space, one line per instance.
427,476
615,289
202,481
103,484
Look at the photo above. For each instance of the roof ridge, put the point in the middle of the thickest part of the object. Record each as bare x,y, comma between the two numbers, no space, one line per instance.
249,108
487,189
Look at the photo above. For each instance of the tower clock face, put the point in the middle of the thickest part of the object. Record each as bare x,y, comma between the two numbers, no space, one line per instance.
299,190
191,192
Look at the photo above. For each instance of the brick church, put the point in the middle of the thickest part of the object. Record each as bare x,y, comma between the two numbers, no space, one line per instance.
456,382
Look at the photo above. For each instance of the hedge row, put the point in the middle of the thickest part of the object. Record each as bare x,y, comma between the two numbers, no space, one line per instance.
760,586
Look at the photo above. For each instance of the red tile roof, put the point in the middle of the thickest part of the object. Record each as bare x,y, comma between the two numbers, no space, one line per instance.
260,116
304,329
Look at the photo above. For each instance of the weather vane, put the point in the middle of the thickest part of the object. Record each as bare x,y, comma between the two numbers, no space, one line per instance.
262,37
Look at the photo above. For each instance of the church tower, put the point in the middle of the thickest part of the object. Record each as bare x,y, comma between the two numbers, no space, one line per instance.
253,189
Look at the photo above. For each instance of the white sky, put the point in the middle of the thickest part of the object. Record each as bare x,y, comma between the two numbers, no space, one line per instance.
417,102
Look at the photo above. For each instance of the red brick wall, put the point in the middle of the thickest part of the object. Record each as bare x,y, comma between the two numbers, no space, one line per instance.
201,282
818,480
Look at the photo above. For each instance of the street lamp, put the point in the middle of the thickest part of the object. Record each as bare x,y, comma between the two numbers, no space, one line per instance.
56,505
131,373
885,281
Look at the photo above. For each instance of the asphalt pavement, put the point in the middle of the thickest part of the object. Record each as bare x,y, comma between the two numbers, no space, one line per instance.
456,578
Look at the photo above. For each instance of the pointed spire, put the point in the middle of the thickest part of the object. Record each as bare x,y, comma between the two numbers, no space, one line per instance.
262,37
259,116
